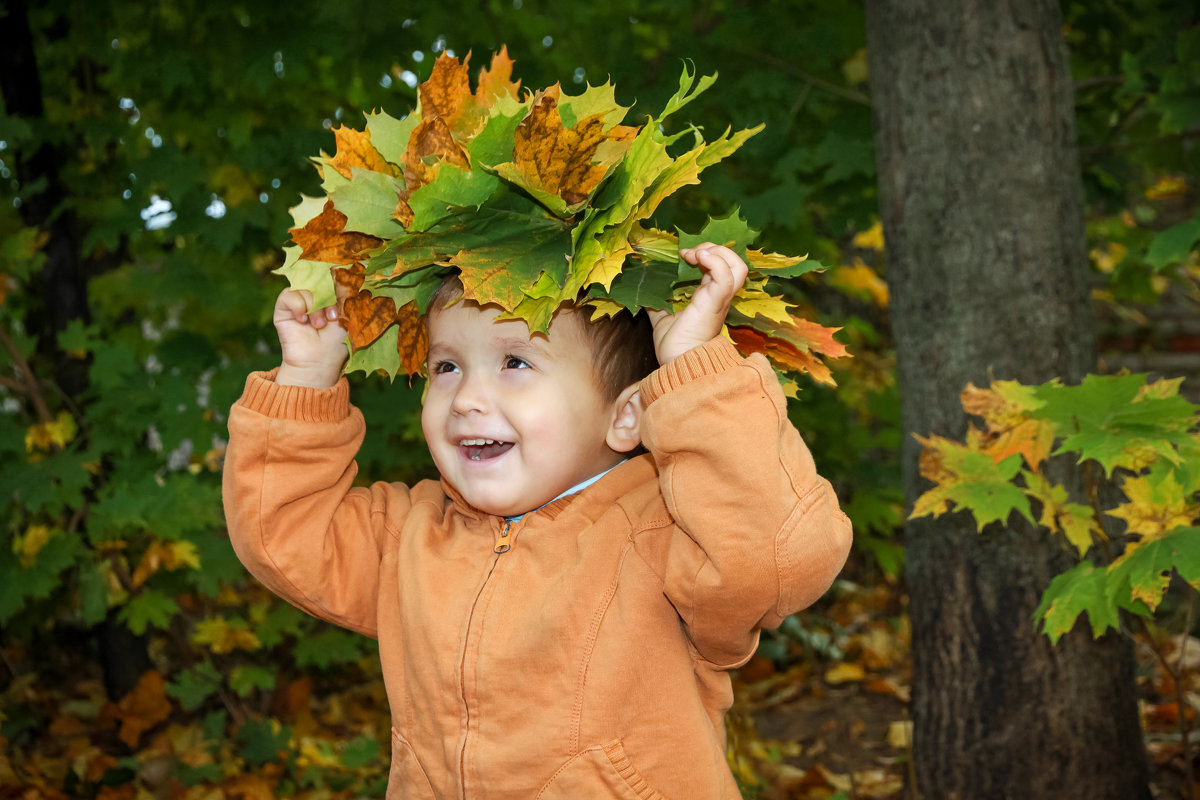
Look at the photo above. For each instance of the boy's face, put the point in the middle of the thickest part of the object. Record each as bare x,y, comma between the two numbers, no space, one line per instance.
511,420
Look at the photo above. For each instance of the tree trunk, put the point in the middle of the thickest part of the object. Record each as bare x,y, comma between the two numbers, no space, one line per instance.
982,212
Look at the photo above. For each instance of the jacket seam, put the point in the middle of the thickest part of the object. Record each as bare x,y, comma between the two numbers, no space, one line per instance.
589,646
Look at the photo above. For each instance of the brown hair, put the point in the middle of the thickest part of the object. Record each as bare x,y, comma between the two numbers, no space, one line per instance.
622,344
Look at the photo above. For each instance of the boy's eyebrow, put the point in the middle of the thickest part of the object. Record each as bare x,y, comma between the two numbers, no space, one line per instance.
517,343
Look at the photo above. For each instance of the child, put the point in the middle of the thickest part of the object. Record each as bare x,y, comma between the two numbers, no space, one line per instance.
557,618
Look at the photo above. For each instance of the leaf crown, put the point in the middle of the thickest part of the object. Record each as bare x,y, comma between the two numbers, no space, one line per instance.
535,199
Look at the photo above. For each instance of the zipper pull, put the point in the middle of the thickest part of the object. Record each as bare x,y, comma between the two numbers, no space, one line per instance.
502,541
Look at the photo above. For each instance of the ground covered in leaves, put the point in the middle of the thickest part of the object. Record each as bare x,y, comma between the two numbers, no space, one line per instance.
822,712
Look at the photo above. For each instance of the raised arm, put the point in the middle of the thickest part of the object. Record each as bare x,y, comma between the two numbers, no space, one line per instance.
762,533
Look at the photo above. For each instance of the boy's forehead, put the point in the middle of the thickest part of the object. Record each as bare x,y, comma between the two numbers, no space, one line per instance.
467,319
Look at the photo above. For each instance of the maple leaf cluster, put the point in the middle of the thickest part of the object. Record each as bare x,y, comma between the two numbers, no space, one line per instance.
534,199
1143,436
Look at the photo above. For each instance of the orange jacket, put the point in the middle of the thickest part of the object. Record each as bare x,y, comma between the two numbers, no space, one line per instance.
591,659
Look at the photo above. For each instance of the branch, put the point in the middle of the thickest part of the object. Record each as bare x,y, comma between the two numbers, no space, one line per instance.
812,80
30,387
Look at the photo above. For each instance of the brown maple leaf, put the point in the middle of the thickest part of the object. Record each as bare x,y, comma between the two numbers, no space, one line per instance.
367,317
429,146
559,160
413,339
323,238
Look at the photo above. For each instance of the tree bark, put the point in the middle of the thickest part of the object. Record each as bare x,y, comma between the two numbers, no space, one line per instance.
982,210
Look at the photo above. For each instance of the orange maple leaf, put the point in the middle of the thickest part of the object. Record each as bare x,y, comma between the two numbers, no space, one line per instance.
413,339
323,238
446,94
367,317
143,708
354,149
496,80
780,352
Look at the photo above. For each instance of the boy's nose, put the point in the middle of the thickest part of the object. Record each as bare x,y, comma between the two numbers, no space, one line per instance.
471,395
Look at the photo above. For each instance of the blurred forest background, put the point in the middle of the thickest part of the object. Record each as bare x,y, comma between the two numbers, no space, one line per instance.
149,153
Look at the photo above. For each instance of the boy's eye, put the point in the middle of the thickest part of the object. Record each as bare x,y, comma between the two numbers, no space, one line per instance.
442,367
512,362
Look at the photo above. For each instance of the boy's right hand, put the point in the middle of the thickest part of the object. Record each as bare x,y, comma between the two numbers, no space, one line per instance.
313,342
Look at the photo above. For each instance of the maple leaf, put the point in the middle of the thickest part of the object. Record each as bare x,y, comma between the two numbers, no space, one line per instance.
324,238
1144,572
369,204
225,635
1111,420
367,317
1157,504
970,480
382,355
860,280
561,166
495,81
412,338
1081,589
446,94
354,149
143,708
1074,521
783,354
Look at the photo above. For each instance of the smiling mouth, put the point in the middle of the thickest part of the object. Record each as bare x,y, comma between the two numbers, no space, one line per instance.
483,449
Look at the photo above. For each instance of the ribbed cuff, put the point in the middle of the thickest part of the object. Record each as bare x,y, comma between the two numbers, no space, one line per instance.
715,356
302,403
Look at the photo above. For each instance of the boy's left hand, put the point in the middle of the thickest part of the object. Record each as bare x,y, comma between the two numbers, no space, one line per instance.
702,319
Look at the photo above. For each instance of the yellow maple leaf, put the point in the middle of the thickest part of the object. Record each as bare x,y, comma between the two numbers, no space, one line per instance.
26,546
754,303
1168,186
871,238
222,637
46,435
1154,508
165,555
860,279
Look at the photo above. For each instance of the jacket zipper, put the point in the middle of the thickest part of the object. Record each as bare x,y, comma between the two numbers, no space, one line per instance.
503,545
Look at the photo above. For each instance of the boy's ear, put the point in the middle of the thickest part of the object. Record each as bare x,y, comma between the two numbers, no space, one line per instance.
625,432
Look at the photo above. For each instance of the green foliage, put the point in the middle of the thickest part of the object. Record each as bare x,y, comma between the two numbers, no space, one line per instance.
1144,434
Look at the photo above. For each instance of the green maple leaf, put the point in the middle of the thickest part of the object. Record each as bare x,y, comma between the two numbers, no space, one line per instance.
729,230
313,276
493,144
1079,590
193,686
644,285
245,679
1105,419
686,169
985,487
389,136
453,190
593,100
1173,245
1142,574
368,201
149,607
381,354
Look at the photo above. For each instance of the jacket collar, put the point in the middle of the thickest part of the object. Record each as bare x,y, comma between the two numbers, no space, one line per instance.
604,492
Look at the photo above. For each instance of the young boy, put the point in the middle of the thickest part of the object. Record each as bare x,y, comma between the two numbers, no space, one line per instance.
556,618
